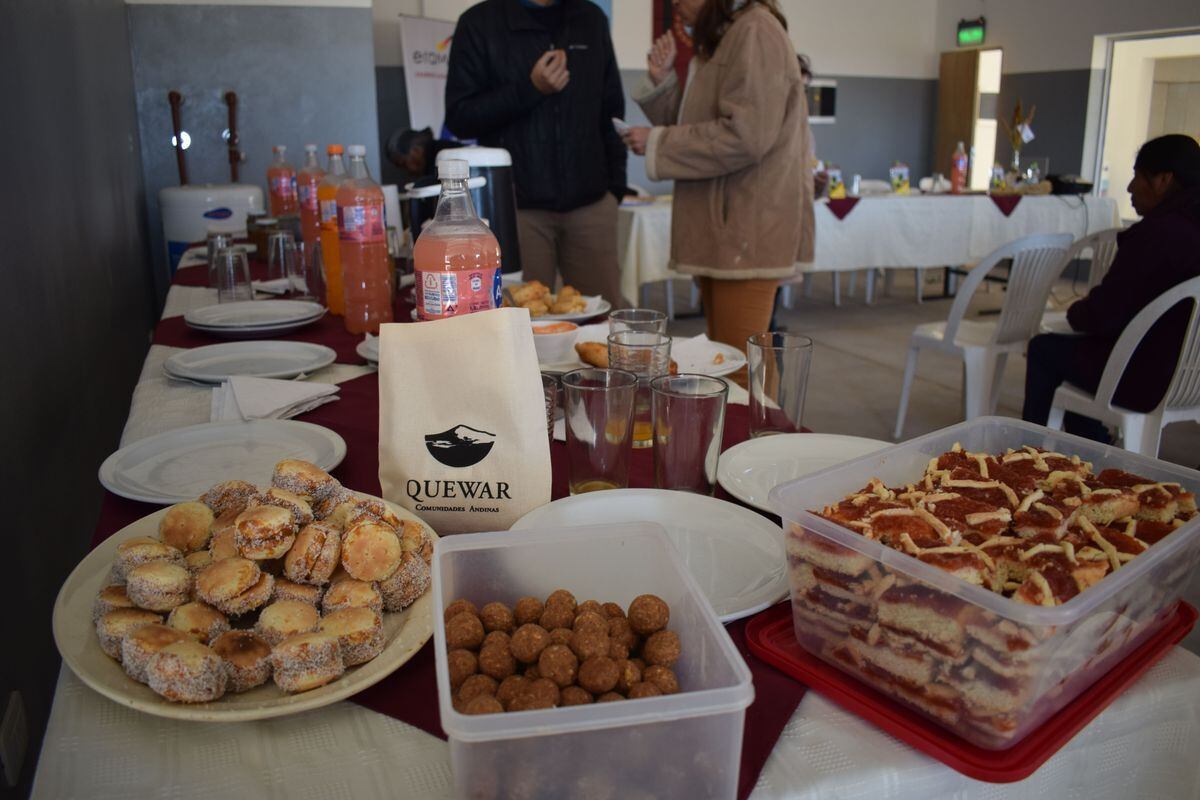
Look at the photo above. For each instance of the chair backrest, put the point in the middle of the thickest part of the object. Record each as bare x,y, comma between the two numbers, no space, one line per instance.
1103,245
1184,391
1037,261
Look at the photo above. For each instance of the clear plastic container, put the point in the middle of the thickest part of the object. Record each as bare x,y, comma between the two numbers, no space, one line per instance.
682,745
1004,667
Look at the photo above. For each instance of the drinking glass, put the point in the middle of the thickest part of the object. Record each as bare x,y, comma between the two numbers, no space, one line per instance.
647,355
281,256
216,241
233,275
598,411
779,364
550,395
637,319
689,420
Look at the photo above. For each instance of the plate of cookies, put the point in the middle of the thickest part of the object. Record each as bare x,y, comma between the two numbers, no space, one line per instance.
568,304
250,602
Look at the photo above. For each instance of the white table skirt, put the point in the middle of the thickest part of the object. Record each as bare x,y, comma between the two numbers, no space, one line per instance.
887,231
1145,744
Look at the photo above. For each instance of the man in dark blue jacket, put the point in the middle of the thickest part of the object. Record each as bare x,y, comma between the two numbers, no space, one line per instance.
1154,255
539,78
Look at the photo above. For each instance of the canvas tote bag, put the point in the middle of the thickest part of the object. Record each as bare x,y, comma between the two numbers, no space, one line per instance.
462,420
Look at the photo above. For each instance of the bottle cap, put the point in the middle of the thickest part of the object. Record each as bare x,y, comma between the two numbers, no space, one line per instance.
453,169
334,149
279,148
310,148
357,150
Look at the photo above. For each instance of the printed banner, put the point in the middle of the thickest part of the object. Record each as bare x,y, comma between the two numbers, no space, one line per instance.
426,47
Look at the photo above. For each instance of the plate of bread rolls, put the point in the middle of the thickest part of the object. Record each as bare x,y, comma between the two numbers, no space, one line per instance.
567,304
250,602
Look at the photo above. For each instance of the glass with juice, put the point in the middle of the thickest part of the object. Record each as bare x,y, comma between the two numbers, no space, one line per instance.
327,203
281,184
362,246
307,180
456,258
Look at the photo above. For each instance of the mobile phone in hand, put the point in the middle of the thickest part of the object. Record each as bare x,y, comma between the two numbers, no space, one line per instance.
620,125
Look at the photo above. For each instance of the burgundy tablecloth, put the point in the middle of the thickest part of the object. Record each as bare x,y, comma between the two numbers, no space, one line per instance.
410,693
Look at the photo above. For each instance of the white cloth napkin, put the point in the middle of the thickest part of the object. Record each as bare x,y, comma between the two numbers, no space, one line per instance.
244,398
276,286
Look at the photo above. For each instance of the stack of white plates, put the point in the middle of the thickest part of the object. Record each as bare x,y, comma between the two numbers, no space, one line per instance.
249,319
259,359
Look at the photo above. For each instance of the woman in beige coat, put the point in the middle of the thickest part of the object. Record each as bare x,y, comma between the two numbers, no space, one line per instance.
735,140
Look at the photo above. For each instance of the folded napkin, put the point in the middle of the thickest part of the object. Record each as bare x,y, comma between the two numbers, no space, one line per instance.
276,286
244,398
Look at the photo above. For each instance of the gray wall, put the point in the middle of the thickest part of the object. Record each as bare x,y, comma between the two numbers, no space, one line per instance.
1061,98
76,307
301,74
392,101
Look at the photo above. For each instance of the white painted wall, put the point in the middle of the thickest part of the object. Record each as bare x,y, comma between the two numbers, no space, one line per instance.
1129,104
1049,35
888,38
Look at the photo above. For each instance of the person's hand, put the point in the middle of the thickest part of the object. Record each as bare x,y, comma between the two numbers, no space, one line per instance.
635,139
661,58
550,73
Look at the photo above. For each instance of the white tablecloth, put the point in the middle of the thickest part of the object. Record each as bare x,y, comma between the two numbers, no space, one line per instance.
881,231
1144,745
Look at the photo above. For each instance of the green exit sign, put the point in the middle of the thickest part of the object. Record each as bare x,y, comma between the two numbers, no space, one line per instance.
971,31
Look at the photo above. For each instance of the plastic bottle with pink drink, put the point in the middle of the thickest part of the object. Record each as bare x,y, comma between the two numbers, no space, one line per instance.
281,185
362,246
307,180
456,258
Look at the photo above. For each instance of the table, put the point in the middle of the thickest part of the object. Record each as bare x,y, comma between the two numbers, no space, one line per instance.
880,232
94,748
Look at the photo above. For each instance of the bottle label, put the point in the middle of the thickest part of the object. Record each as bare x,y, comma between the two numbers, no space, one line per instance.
329,215
308,196
448,294
361,223
283,186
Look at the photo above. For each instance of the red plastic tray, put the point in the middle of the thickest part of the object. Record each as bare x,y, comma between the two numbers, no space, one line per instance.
771,638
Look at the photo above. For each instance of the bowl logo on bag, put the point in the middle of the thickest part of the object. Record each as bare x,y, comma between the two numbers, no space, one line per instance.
461,446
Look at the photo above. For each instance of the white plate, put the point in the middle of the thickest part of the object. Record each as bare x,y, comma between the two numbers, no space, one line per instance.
692,356
735,555
182,464
254,314
261,359
756,466
75,635
368,348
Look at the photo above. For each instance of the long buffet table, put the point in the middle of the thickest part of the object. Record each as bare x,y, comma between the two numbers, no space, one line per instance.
1144,744
882,231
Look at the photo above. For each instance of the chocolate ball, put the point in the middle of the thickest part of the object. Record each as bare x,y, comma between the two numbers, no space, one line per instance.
472,687
619,631
589,642
497,662
599,674
496,617
483,704
609,697
561,636
643,689
528,642
662,649
527,610
461,664
613,611
589,606
510,687
561,596
557,615
457,607
497,637
663,678
628,675
590,620
464,630
648,613
575,696
559,664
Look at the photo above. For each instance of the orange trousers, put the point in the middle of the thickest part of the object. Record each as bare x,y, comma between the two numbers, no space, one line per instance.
735,309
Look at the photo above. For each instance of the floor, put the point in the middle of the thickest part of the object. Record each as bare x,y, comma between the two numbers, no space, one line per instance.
859,359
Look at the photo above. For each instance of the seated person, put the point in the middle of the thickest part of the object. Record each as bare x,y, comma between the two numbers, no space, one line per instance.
1153,255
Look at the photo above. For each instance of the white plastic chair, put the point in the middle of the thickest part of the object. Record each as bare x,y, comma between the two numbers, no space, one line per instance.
984,346
1103,245
1141,432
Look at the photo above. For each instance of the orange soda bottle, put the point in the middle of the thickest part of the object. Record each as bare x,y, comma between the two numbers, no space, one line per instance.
281,185
307,180
362,245
327,202
456,258
958,170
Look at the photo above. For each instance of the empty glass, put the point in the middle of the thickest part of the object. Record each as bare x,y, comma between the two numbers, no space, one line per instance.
550,395
598,412
647,355
216,242
689,421
778,381
307,282
637,319
281,256
232,275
